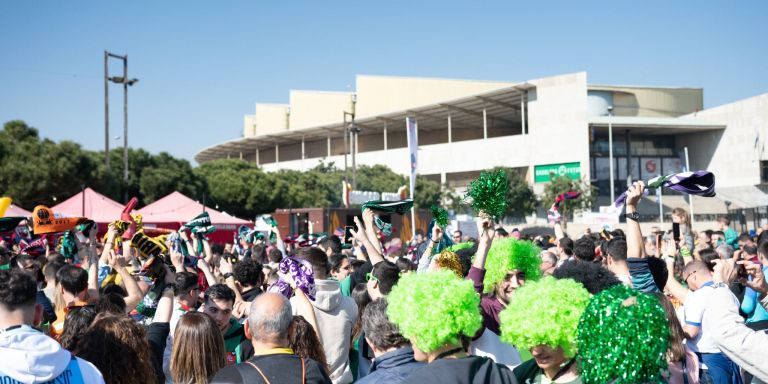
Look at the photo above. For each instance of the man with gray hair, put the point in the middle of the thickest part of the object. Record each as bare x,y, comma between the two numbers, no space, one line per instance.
548,263
725,251
394,359
273,361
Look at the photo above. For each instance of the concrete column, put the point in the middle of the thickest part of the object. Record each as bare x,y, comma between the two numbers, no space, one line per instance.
385,135
329,146
277,155
450,129
485,124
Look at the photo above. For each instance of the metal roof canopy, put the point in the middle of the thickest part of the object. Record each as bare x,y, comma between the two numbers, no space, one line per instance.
654,125
501,106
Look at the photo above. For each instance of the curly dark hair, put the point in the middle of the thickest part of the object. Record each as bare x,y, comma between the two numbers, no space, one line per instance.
584,249
119,348
594,277
303,339
248,272
76,323
17,289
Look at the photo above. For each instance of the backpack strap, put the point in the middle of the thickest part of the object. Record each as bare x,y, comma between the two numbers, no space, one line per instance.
259,370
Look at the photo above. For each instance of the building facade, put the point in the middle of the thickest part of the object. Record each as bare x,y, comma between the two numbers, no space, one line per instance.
554,124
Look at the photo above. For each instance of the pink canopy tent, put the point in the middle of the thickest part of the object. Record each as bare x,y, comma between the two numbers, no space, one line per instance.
98,207
16,211
174,210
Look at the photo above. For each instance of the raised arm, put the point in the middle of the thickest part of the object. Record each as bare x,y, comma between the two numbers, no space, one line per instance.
226,269
118,263
426,257
374,254
109,243
673,286
485,233
370,229
165,305
635,248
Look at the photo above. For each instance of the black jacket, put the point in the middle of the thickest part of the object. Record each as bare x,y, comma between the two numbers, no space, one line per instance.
467,370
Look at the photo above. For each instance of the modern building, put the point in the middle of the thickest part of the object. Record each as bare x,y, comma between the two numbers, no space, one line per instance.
557,124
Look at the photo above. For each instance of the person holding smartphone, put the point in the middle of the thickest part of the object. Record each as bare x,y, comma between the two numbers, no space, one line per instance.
682,220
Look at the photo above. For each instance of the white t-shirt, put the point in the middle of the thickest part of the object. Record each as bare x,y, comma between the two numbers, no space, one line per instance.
695,306
490,345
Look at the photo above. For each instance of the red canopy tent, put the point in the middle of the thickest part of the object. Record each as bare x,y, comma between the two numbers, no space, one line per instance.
174,210
92,205
16,211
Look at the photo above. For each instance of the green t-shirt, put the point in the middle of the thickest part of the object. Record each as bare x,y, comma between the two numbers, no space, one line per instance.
232,339
346,286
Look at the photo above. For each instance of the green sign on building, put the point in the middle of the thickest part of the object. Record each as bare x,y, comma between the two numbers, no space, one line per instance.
545,173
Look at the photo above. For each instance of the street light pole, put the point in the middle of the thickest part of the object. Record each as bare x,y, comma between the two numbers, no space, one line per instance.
125,125
610,148
126,82
106,109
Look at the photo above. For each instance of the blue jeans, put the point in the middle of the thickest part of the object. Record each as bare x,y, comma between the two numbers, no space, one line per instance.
720,369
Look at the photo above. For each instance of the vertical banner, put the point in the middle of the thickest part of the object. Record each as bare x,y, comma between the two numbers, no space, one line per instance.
412,129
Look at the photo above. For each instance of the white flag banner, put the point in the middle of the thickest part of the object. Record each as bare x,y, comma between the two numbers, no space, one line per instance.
413,149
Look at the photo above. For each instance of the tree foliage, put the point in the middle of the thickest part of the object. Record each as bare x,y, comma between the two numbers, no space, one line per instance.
39,171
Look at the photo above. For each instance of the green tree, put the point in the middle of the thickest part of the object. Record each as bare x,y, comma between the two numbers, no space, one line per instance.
562,184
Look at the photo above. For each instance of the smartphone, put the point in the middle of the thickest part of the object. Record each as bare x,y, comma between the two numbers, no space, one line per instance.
348,237
676,231
741,271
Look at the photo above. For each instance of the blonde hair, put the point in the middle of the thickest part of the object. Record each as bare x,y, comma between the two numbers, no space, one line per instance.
684,215
198,349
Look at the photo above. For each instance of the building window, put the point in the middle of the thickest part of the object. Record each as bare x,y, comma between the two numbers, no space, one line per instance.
764,171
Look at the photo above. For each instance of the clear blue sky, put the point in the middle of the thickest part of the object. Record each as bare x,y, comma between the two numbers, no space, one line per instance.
203,64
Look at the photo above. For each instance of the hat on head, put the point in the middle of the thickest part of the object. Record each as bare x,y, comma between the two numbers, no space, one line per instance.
44,221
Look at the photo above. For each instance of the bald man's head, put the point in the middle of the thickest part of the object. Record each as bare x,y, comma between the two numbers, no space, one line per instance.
270,317
696,273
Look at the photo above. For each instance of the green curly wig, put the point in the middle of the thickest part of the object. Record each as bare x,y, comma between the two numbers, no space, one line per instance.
545,312
434,308
508,254
623,336
460,246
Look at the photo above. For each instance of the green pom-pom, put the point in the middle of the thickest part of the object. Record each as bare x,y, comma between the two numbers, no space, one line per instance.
434,308
545,312
489,193
440,216
623,336
508,254
460,246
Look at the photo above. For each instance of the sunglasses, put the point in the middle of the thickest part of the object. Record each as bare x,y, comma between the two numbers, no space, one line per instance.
369,276
685,279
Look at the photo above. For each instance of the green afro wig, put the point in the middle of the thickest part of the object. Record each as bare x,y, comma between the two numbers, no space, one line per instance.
508,254
460,246
623,336
434,308
545,312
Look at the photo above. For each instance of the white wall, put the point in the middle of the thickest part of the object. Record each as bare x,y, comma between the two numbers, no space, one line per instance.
735,159
557,123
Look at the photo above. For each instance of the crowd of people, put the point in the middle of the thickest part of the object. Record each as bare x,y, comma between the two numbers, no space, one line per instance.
609,307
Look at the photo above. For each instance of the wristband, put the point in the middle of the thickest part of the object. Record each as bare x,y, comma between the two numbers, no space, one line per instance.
227,275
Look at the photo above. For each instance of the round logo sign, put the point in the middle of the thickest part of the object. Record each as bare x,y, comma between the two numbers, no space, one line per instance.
43,214
650,166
